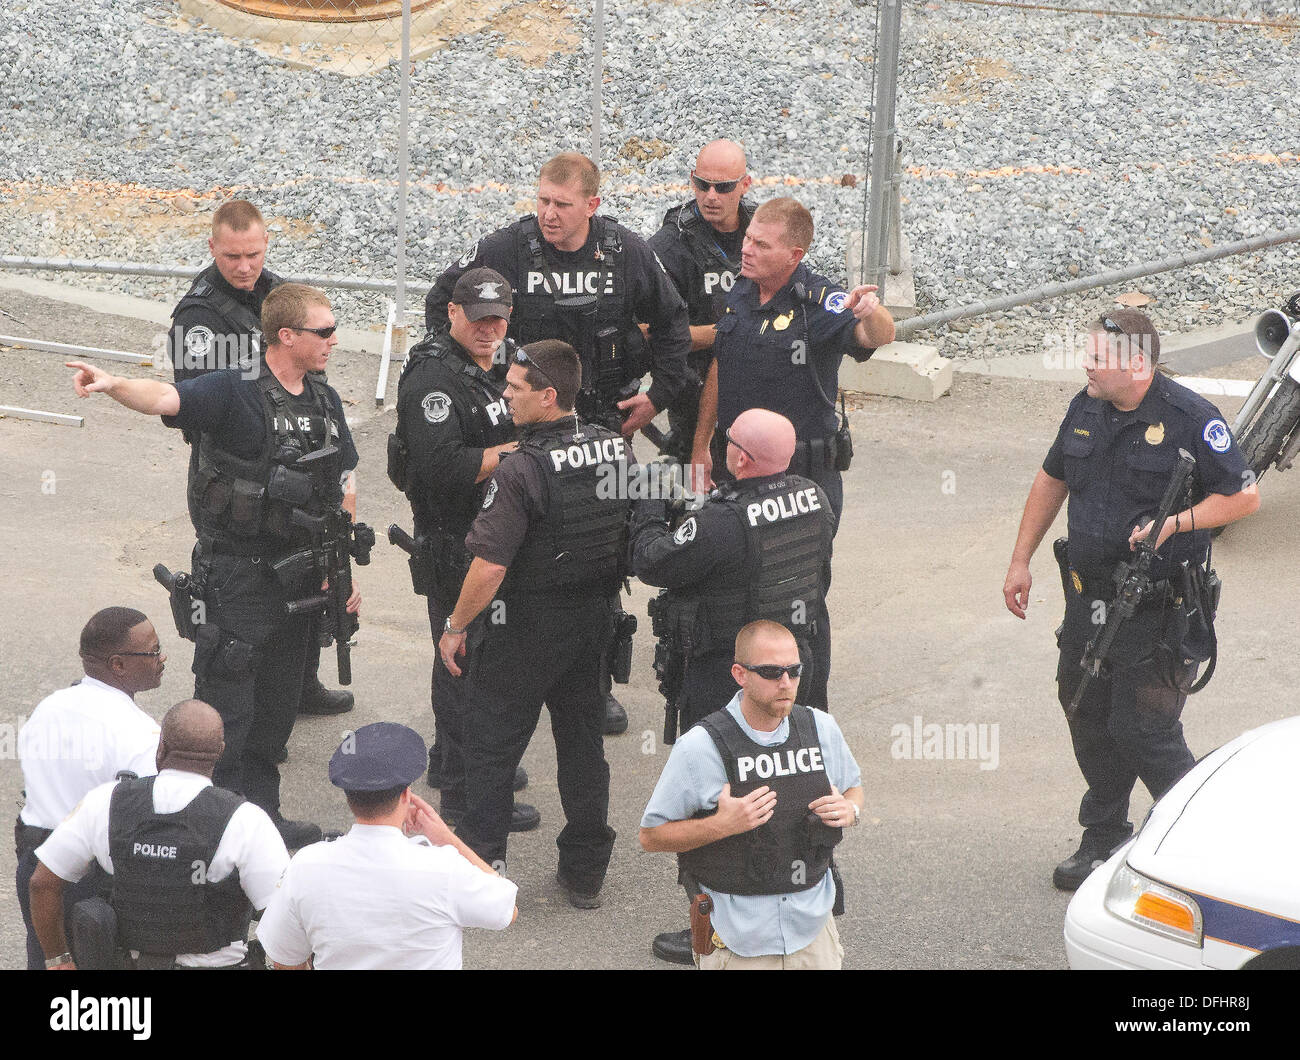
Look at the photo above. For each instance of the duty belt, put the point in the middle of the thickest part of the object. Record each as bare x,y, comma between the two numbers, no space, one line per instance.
813,457
27,837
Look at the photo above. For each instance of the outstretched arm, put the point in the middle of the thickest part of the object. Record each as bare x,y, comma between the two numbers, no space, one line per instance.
149,396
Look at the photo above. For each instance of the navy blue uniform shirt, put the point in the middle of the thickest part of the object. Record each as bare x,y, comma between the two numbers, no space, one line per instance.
1117,465
767,355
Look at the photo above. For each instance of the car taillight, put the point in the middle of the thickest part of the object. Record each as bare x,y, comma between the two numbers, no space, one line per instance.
1132,897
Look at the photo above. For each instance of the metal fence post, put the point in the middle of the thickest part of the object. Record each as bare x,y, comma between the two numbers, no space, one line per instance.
597,69
883,136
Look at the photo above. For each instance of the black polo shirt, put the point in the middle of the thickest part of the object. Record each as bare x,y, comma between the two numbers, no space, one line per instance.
1117,465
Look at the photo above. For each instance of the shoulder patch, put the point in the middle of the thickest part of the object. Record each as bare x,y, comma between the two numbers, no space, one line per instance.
685,532
1217,436
836,302
437,406
469,256
198,342
490,495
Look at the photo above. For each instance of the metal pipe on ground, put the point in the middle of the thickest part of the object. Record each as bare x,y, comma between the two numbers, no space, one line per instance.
905,329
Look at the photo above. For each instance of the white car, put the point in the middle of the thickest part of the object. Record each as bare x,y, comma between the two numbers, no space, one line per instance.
1212,879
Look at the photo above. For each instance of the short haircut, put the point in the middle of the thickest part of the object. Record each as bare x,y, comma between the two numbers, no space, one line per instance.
374,803
107,630
1133,331
238,215
560,368
286,307
792,216
571,168
752,632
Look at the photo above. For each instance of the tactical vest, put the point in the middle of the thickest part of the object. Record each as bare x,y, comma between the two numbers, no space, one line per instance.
698,236
161,894
792,851
580,545
788,534
270,501
585,306
240,319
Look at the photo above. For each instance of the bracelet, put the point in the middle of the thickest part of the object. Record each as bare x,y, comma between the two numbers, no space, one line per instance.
55,962
449,628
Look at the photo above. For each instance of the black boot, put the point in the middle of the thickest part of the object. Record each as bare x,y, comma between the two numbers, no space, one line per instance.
674,947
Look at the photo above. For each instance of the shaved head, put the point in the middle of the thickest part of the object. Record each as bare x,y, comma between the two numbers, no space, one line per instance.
766,439
192,739
727,156
762,638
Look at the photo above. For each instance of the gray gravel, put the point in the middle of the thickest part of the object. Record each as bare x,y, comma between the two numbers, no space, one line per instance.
1040,145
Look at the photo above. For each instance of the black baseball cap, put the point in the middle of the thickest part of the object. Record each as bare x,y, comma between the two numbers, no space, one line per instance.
483,293
379,757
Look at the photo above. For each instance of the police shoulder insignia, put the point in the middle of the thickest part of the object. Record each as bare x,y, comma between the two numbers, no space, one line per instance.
491,495
836,302
1217,436
470,255
198,341
685,532
1155,434
437,406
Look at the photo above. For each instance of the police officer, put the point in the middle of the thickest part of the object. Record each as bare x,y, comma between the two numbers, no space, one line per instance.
587,280
736,803
452,427
760,549
258,506
398,889
548,547
1113,457
82,736
779,347
149,834
699,247
217,325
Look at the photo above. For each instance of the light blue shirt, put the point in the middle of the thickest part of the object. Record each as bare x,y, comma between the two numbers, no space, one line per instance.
692,780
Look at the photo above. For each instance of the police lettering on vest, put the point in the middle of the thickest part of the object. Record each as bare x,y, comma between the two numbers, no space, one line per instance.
714,281
763,766
601,451
153,850
569,284
772,509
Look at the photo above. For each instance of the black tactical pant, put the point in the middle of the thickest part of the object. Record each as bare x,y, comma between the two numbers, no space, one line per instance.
1127,727
248,663
447,694
96,881
540,649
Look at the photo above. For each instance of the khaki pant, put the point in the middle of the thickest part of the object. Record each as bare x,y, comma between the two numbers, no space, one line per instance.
824,953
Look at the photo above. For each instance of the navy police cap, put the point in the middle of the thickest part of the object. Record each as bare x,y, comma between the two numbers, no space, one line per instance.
378,757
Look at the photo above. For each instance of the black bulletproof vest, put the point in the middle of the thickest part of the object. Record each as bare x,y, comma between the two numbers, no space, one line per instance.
240,319
585,305
717,270
788,534
476,396
161,894
792,851
249,505
580,544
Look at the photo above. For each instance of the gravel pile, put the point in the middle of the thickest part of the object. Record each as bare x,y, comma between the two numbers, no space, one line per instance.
1039,145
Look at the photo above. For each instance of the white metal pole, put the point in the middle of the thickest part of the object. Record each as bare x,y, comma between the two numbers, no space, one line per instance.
597,71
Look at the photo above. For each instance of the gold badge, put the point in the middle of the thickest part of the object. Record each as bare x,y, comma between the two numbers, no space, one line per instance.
1078,582
783,321
1155,434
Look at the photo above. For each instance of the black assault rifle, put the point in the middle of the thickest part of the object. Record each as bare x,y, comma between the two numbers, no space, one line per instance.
342,542
1132,581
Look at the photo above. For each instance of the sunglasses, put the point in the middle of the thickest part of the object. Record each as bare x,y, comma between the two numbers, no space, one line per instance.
724,187
522,358
1109,325
727,435
148,654
324,333
772,672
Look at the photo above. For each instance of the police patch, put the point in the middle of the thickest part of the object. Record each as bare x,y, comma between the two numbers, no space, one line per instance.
836,303
437,406
685,532
198,342
470,255
490,495
1217,436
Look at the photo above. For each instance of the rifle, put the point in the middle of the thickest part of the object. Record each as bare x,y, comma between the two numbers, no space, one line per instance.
669,665
342,542
1133,582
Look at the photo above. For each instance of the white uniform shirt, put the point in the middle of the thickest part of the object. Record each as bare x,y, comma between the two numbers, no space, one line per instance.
250,844
376,899
76,739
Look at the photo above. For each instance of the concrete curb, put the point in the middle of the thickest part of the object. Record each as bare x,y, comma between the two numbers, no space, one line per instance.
909,370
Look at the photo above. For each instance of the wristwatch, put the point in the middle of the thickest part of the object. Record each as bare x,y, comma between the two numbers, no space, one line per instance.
857,814
447,627
61,959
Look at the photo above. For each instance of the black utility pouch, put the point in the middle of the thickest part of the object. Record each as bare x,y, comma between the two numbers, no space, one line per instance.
292,487
843,440
398,454
620,663
246,506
